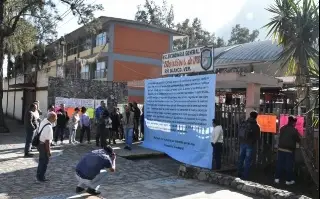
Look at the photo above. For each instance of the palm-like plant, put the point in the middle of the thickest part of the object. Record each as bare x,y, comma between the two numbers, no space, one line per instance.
295,26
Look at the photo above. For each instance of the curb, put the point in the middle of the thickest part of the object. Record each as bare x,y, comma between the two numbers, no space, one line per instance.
143,156
264,191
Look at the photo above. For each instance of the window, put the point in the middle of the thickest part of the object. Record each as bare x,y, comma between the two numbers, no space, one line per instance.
85,44
71,48
101,39
101,71
85,74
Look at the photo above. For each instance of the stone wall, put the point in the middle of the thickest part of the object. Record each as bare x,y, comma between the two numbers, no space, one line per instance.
115,92
256,189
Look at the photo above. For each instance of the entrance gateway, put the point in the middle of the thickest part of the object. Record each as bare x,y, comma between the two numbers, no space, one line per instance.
170,100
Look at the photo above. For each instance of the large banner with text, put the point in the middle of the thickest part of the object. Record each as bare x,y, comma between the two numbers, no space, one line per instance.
72,103
178,117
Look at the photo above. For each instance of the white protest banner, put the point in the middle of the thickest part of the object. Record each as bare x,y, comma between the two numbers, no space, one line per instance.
58,101
188,61
97,102
88,103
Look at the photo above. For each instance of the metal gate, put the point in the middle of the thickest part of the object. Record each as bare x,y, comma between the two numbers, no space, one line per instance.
230,117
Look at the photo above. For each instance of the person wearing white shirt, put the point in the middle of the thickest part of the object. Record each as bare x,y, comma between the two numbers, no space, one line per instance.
217,142
45,138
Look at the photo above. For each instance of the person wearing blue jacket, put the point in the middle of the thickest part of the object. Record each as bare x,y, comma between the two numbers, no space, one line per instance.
98,113
99,110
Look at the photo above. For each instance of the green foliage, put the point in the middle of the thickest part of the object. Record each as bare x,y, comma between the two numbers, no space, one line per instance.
23,23
295,26
241,35
156,15
162,16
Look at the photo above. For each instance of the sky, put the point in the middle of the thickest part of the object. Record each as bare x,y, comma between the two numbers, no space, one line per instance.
217,16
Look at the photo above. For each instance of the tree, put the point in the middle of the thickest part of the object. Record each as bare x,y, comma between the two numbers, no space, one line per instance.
11,17
197,36
295,26
162,16
156,15
241,35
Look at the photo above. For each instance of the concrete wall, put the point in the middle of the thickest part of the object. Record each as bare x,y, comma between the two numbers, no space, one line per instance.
12,101
42,97
116,93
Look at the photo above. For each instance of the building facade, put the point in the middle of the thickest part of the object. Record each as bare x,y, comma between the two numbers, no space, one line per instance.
122,51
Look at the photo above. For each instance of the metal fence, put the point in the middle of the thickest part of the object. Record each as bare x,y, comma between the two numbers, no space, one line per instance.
230,116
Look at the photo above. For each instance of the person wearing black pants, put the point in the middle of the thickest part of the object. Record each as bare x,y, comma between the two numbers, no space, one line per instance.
61,125
102,131
217,144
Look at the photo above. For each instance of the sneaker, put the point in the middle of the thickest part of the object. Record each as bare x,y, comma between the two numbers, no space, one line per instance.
79,189
129,148
126,147
93,192
290,182
52,144
28,155
277,181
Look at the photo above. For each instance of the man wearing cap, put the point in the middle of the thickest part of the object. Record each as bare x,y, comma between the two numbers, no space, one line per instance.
89,171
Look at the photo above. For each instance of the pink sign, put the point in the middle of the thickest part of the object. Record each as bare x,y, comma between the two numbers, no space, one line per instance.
299,124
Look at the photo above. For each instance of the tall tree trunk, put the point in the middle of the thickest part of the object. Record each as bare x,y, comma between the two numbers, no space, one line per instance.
3,126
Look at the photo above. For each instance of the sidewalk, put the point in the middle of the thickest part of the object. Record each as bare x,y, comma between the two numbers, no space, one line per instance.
17,139
150,179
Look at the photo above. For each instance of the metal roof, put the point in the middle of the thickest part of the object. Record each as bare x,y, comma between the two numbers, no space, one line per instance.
260,51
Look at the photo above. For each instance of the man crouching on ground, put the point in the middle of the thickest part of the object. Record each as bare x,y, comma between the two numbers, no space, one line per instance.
89,171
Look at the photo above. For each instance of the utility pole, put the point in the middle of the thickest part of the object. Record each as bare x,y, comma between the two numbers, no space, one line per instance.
62,44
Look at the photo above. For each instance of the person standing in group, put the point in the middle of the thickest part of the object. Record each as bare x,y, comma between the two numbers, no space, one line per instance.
31,125
45,138
37,115
85,125
103,129
249,134
62,122
97,116
90,171
128,124
99,110
73,126
217,143
289,137
52,109
142,123
38,111
137,114
121,132
115,126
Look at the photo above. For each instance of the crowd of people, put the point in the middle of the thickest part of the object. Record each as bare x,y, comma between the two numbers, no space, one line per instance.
112,125
107,125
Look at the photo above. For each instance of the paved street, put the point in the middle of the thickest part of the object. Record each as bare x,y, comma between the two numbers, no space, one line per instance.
153,179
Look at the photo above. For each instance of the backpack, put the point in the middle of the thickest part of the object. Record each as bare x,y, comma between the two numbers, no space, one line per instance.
36,139
245,129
